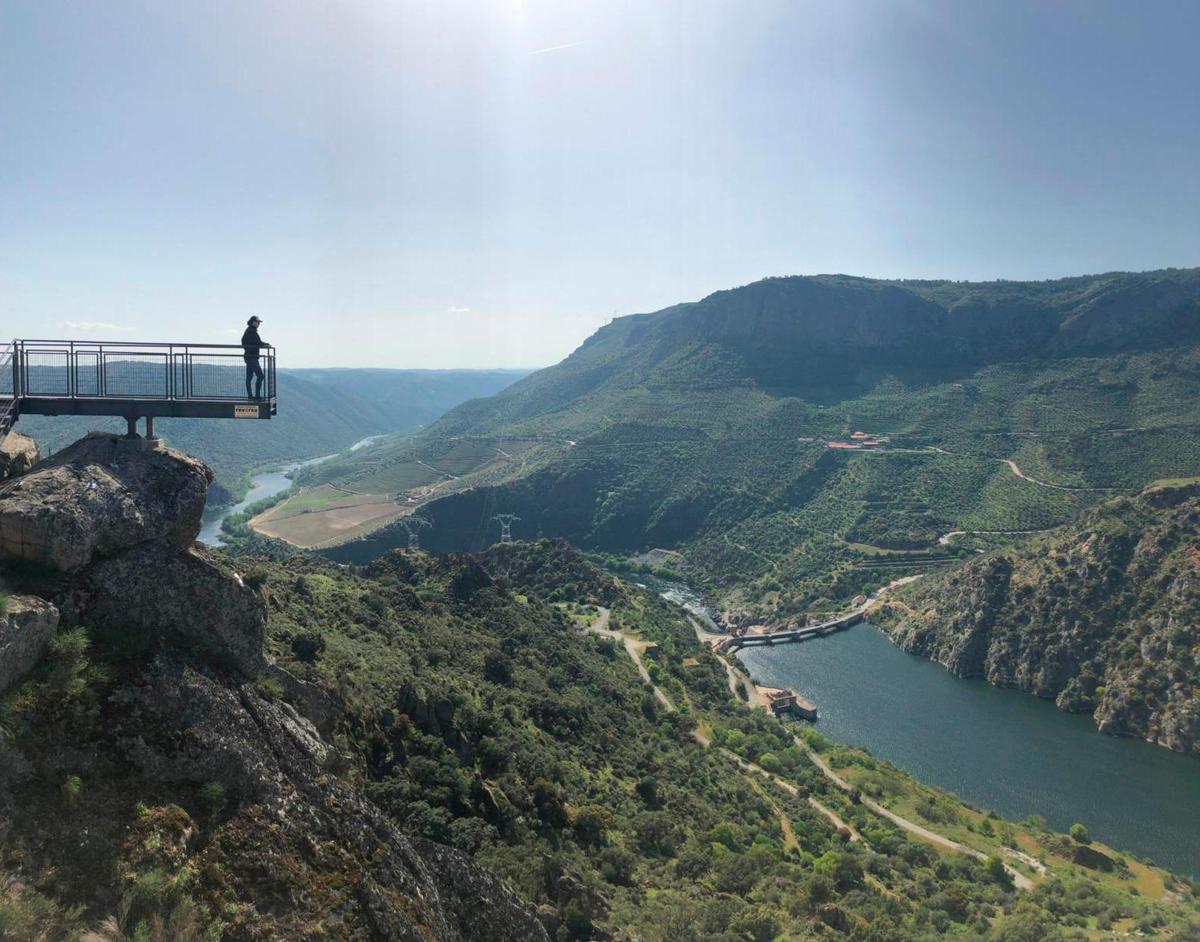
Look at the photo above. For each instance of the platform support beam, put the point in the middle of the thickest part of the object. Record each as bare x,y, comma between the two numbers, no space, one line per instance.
150,436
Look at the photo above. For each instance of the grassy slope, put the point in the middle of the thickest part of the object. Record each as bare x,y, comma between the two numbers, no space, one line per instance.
550,761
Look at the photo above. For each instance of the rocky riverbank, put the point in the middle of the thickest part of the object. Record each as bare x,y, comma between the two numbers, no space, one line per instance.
1102,616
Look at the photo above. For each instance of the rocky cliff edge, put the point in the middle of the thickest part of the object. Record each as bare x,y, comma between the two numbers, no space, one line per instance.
186,758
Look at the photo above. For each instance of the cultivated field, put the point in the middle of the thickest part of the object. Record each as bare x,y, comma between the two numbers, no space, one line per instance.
322,515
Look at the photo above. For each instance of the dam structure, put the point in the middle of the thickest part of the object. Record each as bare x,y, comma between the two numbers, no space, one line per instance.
733,642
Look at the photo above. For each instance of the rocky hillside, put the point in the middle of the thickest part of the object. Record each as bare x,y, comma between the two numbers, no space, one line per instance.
1103,616
160,777
461,748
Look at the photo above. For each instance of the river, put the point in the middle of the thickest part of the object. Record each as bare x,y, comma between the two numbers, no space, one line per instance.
994,748
264,485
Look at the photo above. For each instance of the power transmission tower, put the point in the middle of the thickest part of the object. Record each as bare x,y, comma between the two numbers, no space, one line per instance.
506,522
412,526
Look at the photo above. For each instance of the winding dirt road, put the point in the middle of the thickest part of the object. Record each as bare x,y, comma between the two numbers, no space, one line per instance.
1019,879
1015,469
634,649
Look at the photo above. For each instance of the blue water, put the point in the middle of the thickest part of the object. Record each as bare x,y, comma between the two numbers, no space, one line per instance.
998,749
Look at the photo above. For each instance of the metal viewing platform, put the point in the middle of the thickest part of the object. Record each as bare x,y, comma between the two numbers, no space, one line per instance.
131,381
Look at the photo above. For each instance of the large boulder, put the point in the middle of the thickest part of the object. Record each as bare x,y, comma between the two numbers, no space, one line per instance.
188,596
18,454
99,497
26,626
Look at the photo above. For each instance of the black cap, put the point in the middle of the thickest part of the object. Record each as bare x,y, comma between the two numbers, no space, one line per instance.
255,319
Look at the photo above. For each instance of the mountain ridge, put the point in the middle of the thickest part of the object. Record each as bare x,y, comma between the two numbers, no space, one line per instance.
894,322
704,429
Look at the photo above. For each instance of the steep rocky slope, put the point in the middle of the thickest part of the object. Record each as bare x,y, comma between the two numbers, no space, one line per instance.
1103,616
154,780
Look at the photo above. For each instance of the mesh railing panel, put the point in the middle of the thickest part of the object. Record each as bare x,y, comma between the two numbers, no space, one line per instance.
45,372
126,375
87,373
6,374
220,377
7,402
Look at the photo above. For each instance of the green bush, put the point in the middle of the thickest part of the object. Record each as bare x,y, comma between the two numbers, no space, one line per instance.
212,797
72,790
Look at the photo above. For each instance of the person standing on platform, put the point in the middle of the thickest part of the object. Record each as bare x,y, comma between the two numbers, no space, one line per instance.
251,345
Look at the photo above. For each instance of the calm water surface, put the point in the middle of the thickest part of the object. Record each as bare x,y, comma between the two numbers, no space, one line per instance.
994,748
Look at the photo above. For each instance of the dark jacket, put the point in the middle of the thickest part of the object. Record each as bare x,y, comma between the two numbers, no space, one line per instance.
251,343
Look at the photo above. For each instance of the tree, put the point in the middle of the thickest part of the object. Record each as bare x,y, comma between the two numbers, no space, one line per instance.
770,762
591,822
1080,834
308,646
997,872
1028,924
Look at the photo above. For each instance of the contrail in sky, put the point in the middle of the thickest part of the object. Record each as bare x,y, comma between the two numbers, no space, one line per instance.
538,52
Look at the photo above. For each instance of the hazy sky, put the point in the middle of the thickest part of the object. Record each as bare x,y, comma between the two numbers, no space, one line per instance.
484,183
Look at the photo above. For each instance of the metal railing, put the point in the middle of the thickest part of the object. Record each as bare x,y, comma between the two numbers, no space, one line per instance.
8,399
83,369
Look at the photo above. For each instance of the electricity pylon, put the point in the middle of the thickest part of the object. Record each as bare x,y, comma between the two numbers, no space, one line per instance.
412,526
506,522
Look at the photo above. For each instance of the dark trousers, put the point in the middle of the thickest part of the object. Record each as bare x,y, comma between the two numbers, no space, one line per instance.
254,370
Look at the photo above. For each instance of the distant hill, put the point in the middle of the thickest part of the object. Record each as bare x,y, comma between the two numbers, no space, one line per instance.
321,411
703,428
1101,615
829,337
